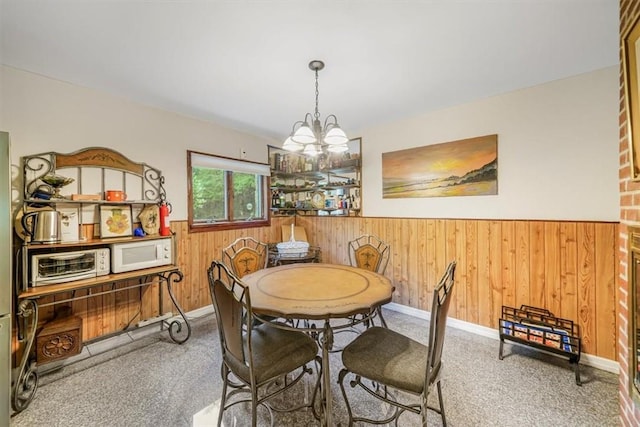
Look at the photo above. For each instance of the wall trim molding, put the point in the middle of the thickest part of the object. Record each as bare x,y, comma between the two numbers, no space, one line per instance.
586,359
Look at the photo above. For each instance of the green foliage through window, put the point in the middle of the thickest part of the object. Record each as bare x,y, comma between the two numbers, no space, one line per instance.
221,196
208,187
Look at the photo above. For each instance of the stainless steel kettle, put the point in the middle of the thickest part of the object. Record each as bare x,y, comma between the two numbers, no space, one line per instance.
45,226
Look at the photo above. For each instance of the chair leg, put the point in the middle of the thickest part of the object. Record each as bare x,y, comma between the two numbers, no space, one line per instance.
317,389
424,407
441,402
382,321
223,399
341,376
254,406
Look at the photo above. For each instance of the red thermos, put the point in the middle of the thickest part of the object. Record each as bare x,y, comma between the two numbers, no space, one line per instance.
164,219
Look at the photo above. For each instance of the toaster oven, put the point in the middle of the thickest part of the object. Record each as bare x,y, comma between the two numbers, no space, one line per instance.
60,267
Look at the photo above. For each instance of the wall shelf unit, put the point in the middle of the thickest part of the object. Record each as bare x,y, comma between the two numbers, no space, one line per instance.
327,184
92,171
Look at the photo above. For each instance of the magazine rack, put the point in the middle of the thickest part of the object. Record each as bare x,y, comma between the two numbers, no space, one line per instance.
540,329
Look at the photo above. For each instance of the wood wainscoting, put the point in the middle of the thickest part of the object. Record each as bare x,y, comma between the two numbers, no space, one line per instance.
568,267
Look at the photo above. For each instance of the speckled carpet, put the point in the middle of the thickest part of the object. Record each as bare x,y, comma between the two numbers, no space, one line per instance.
154,382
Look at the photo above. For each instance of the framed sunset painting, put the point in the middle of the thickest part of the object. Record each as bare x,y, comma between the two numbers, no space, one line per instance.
466,167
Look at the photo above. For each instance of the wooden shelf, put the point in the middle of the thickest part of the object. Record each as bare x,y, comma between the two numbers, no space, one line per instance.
92,242
89,202
44,290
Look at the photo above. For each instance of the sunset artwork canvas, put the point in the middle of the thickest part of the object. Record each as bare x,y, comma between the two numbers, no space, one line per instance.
467,167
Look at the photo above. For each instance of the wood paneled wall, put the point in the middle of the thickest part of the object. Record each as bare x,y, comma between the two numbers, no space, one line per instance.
567,267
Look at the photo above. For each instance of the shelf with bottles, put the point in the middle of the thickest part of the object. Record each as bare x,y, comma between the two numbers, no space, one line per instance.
285,163
288,187
295,183
327,184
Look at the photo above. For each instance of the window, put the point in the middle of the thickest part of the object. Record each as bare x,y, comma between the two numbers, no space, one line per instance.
226,193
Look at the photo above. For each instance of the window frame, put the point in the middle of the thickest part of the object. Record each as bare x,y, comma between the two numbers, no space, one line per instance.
229,224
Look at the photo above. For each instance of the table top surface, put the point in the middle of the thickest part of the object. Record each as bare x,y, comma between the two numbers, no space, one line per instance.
316,291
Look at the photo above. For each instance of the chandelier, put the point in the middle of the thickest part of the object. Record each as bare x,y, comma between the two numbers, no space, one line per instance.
310,136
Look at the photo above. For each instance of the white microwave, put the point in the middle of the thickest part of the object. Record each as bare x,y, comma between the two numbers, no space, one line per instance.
128,256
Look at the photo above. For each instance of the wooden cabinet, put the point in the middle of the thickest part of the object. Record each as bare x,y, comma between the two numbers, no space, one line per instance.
327,184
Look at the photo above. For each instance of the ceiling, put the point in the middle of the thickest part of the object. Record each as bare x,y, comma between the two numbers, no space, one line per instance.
245,63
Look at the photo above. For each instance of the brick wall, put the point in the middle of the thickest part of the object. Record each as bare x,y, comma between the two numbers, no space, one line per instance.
629,215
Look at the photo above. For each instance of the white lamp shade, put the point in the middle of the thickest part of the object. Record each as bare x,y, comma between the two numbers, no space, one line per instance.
337,148
311,150
304,135
290,145
336,136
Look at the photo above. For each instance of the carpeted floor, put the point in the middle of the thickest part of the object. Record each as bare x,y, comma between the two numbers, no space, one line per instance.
154,382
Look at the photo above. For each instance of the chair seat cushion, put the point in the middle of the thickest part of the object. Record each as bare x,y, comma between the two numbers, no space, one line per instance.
275,352
387,357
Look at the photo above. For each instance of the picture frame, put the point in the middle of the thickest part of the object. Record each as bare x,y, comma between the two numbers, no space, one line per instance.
464,167
630,58
115,221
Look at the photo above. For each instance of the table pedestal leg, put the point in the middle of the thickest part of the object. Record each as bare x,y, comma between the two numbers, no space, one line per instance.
326,344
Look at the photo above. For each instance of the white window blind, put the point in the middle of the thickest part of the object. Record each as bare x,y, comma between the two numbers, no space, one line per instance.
224,163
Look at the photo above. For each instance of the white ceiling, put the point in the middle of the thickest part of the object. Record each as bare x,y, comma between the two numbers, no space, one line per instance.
244,63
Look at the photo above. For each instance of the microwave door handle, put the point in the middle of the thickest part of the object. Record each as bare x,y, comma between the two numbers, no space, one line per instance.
158,251
65,257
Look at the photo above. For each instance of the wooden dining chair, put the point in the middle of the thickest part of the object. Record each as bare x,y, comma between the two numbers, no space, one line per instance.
245,255
371,253
390,360
261,358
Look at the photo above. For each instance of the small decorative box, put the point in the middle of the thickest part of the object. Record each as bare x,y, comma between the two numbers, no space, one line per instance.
58,339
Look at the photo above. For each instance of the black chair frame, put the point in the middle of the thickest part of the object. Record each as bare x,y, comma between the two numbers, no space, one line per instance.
232,302
439,311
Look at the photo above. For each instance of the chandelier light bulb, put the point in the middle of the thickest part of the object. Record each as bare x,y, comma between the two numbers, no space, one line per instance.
336,136
311,150
304,135
337,148
291,145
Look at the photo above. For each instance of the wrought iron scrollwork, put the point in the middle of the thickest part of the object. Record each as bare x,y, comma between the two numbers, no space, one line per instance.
35,167
175,326
154,188
26,382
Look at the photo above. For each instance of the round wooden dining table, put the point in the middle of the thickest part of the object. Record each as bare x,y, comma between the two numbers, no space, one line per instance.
318,292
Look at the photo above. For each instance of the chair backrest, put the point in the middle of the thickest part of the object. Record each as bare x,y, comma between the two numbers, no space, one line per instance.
231,300
245,256
369,252
299,233
438,323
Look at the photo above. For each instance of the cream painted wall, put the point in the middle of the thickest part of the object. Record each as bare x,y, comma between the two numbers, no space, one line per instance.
557,153
557,143
42,114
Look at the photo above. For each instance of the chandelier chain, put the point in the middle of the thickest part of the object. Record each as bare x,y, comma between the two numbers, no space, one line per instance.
317,113
309,135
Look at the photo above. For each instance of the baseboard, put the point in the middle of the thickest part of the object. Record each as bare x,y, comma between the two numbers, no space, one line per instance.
194,314
153,320
586,359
